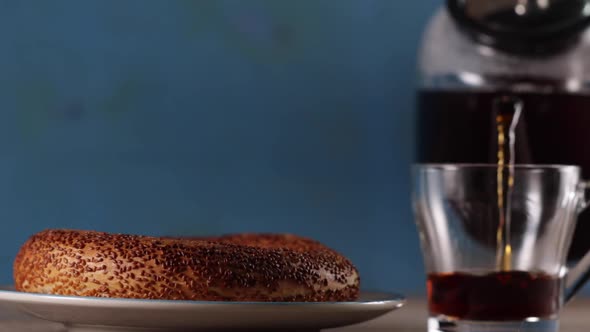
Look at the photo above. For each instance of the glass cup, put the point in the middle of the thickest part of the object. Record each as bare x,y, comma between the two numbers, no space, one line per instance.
495,240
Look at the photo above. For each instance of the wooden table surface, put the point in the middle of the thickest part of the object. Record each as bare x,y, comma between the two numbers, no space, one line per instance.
412,317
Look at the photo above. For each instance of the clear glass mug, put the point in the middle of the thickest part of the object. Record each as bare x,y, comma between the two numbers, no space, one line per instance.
494,242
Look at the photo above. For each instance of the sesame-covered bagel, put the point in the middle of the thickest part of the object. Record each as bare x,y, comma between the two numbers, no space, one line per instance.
245,267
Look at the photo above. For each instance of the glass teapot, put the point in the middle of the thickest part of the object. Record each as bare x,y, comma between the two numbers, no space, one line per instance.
480,58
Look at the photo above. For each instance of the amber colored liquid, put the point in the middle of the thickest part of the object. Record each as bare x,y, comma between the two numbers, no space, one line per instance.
497,296
507,112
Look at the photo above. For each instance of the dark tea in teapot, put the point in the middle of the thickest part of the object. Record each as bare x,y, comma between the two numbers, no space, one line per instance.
459,126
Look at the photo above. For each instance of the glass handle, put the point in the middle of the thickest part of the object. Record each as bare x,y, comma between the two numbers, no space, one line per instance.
578,275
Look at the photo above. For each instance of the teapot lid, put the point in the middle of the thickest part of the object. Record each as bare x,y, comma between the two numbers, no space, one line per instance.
523,27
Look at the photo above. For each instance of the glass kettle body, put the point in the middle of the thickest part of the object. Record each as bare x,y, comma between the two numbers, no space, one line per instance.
463,75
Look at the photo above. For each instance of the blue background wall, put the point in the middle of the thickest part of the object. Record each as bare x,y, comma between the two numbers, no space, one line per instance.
213,116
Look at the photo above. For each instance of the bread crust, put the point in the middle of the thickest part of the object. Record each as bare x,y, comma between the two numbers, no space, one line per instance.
244,267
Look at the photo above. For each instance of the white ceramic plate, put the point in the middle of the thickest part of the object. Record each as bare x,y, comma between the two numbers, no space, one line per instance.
102,314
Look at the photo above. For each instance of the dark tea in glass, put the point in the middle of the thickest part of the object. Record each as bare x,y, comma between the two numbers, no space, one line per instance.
497,296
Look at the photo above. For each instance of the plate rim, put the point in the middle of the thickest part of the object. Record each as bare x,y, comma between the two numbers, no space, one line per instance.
8,293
